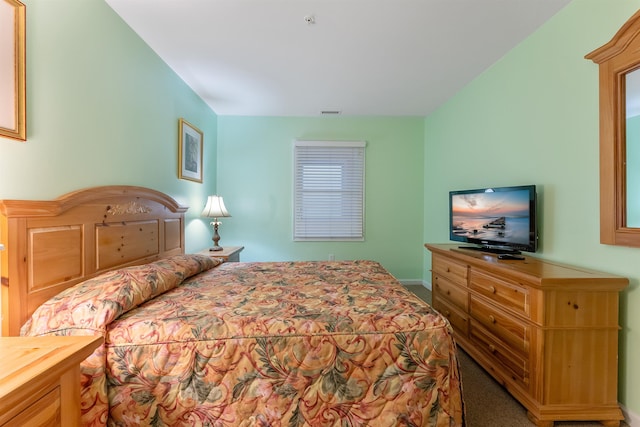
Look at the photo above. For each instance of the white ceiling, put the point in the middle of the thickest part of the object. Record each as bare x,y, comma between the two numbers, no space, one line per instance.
359,57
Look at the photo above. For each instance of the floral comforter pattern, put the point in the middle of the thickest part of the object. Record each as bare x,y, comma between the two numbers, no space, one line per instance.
258,344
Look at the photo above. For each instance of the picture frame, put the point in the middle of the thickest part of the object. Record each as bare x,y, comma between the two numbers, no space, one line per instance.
190,152
13,112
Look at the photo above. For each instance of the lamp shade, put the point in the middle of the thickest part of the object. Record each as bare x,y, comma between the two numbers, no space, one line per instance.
215,208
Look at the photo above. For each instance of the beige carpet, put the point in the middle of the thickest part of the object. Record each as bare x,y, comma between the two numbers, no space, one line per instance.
487,403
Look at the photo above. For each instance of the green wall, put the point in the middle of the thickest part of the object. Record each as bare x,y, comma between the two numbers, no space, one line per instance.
102,109
255,177
532,118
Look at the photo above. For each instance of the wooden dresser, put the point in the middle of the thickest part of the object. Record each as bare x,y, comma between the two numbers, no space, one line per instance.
547,332
40,380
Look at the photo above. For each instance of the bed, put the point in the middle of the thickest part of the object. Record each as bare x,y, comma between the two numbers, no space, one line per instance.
192,341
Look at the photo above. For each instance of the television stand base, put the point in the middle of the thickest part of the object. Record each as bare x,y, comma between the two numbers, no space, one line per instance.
491,249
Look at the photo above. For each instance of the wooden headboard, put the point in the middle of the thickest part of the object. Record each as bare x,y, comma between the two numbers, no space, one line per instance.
52,245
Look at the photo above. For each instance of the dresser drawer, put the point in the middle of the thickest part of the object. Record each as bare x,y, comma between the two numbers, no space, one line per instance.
514,333
451,270
511,364
506,294
458,319
444,289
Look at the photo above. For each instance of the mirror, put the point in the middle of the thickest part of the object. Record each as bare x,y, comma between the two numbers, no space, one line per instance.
619,68
632,152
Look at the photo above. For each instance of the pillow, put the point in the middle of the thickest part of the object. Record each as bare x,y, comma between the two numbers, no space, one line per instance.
90,306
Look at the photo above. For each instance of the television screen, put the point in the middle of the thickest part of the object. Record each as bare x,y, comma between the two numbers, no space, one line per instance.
501,219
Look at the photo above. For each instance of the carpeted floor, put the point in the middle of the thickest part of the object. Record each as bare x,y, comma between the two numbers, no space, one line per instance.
487,403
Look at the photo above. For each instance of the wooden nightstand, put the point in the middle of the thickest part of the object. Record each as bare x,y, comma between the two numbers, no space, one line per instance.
228,253
40,379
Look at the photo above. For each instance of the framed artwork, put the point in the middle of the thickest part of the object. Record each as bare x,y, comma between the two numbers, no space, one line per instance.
13,110
190,152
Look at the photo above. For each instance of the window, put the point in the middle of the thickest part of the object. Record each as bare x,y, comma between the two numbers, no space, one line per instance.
329,190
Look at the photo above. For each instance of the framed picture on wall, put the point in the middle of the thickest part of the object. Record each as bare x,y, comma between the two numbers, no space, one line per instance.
190,152
13,110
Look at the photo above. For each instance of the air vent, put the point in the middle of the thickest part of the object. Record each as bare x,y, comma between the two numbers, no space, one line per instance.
330,112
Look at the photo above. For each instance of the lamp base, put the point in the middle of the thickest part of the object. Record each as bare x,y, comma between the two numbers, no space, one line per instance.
216,236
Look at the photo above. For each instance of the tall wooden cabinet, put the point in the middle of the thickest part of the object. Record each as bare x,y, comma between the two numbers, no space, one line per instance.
547,332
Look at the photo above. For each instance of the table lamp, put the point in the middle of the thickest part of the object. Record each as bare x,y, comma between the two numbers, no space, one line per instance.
215,209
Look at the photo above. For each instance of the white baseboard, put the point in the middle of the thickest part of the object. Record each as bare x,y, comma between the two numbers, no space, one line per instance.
631,418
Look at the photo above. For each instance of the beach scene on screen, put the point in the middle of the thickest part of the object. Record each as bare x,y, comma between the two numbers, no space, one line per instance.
500,216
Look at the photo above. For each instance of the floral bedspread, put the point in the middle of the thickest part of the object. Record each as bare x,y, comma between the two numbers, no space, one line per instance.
258,344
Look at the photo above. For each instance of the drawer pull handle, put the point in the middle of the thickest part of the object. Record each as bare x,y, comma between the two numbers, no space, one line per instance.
492,319
492,289
447,313
492,348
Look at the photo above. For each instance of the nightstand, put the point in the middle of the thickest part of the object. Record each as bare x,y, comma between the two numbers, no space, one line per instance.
228,253
40,379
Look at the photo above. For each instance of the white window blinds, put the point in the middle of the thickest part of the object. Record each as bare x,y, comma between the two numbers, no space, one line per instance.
329,190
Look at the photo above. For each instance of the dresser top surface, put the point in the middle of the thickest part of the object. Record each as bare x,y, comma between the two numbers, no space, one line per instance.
541,271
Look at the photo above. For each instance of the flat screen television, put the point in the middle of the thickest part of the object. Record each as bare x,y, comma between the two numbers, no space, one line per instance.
498,220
